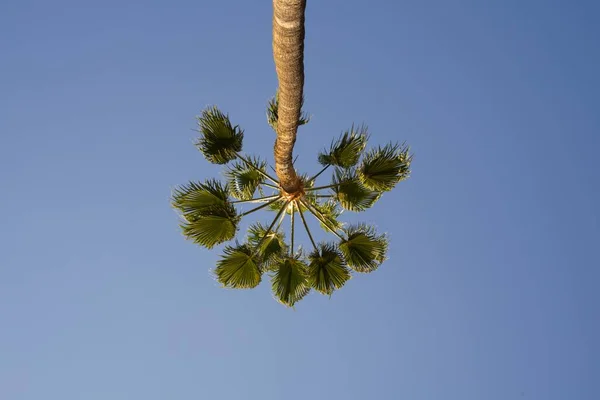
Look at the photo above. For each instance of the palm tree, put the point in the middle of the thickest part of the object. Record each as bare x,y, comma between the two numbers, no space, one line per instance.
211,211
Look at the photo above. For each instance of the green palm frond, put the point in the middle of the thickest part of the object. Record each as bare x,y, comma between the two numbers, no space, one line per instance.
364,250
208,218
245,178
289,280
273,113
238,268
382,168
326,271
346,150
350,193
272,247
211,226
219,140
197,196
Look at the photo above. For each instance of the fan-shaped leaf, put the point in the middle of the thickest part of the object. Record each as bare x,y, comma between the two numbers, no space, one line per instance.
273,113
382,168
208,218
345,151
219,140
289,281
363,250
326,271
245,179
238,268
210,227
272,247
196,196
350,193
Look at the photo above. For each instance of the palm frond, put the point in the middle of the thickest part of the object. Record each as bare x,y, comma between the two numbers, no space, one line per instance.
364,250
208,218
271,246
196,196
350,193
245,178
211,226
289,281
273,113
326,271
238,268
382,168
219,140
345,151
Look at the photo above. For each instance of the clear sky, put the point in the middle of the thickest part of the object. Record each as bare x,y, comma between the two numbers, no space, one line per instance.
491,290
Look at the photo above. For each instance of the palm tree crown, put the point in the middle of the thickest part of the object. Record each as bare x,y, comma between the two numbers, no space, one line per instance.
211,211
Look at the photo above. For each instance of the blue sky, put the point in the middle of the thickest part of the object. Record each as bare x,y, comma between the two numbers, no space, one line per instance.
491,287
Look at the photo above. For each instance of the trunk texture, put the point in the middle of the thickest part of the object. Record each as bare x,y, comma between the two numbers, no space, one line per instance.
288,52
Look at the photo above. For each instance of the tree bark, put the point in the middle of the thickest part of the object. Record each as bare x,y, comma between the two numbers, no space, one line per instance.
288,52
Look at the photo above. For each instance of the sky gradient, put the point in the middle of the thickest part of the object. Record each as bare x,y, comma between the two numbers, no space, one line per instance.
491,289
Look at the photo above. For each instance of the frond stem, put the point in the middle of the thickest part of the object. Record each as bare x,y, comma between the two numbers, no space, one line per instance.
318,215
319,173
292,227
280,222
256,200
325,187
260,207
271,186
306,227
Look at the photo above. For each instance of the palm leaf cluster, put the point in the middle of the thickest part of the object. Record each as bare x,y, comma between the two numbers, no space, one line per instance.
211,211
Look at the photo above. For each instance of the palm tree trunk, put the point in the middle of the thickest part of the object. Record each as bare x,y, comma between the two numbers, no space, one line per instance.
288,52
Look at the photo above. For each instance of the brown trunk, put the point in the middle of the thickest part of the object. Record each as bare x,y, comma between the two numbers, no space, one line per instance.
288,52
